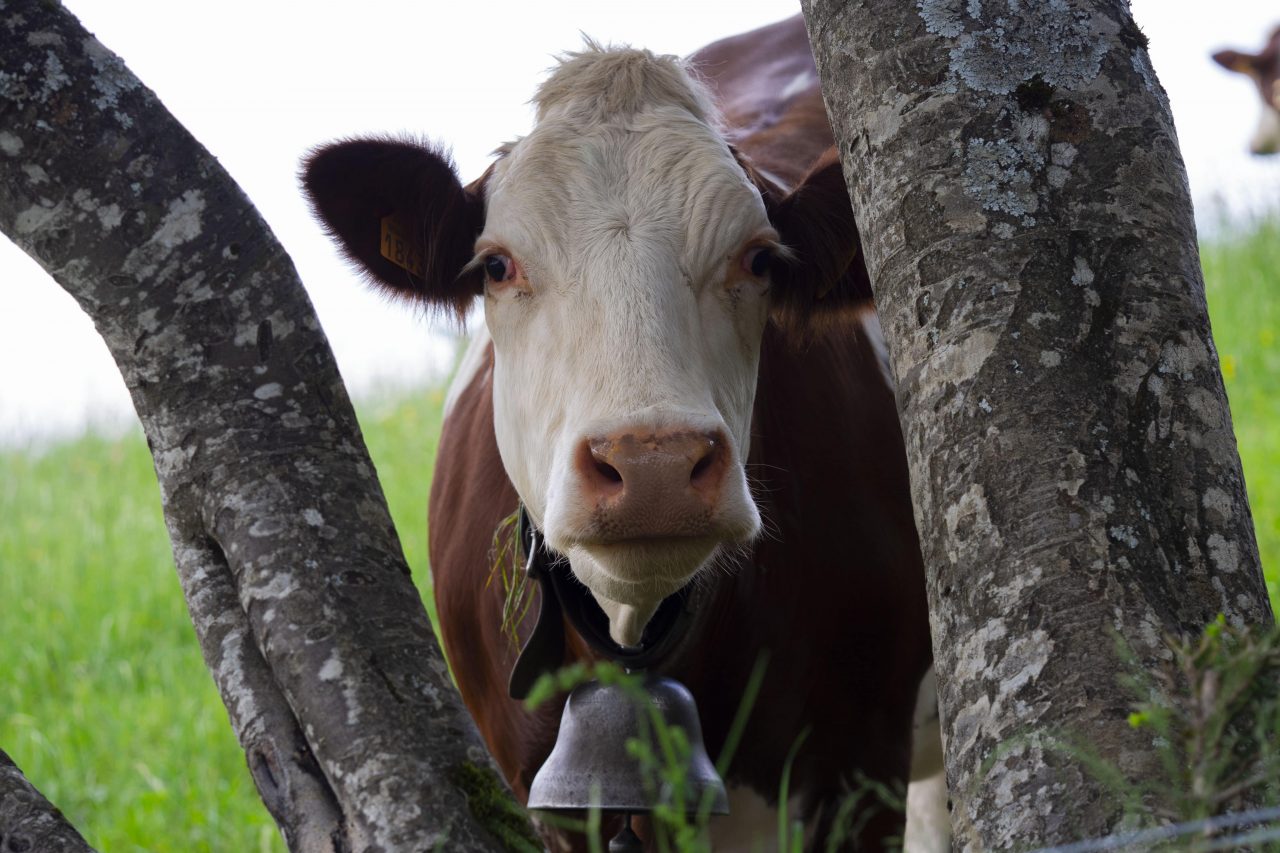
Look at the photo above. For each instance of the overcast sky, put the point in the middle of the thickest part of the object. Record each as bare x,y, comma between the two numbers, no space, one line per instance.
260,82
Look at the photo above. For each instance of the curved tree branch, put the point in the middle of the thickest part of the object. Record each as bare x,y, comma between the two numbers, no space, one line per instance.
30,822
295,579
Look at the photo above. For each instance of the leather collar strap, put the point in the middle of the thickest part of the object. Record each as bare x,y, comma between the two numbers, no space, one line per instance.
562,596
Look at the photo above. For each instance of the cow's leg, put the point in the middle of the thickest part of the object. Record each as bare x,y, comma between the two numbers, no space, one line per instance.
928,819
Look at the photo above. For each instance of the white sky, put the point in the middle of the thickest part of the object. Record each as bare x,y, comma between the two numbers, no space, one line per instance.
260,82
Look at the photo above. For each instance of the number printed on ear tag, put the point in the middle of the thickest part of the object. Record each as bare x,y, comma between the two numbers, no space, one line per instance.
397,249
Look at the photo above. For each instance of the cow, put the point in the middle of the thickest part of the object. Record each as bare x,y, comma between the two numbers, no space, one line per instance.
682,381
1263,68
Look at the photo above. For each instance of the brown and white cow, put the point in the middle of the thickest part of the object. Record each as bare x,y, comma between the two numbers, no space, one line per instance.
681,378
1263,68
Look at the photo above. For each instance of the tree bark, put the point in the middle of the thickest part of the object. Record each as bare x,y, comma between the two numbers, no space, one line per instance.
1026,221
288,558
30,822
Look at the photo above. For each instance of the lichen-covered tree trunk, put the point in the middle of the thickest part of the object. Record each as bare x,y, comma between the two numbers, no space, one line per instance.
1026,221
288,558
30,822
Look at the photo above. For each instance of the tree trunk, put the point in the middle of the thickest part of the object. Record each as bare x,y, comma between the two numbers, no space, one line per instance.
30,822
1026,221
288,558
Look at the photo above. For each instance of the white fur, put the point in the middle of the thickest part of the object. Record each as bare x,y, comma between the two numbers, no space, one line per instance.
629,227
928,820
472,361
751,825
1266,138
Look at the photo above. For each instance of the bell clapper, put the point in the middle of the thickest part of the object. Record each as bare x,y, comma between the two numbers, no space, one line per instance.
626,841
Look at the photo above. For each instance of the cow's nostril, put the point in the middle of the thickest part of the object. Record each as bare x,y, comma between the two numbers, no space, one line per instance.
608,472
703,464
708,472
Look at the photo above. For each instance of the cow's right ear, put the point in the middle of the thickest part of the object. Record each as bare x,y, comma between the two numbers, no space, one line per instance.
400,214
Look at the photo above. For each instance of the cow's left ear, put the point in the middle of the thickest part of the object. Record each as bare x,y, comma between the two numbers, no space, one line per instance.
400,214
816,222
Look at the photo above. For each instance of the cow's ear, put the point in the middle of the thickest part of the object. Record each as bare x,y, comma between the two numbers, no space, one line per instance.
399,212
815,220
1234,60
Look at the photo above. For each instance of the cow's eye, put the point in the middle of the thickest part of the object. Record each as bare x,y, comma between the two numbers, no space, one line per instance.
499,268
757,260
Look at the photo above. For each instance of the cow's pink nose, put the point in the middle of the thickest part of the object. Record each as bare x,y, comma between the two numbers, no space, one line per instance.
641,484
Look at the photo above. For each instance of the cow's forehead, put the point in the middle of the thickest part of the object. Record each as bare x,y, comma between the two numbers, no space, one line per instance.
664,180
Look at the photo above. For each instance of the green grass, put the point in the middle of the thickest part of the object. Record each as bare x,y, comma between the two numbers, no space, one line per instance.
105,702
1242,280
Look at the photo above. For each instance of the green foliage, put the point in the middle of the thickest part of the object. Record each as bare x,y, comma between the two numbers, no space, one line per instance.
1214,717
1212,713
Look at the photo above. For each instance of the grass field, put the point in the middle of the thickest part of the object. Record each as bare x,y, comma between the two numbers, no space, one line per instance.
105,702
1242,282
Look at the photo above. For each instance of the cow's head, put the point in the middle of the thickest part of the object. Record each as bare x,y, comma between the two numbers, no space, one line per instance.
1263,69
628,262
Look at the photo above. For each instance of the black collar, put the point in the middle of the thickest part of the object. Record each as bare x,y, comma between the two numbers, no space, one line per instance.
563,595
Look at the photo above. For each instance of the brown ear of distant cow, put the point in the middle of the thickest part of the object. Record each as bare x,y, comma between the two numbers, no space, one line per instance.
1263,68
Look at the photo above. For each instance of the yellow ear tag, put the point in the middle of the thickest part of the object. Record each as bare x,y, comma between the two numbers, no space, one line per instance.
395,248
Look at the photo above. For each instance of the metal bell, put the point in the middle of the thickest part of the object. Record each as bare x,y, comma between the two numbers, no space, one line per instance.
590,766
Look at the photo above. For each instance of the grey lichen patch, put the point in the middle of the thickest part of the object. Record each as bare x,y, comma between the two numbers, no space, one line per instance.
1061,156
182,222
957,362
1217,502
1073,471
110,216
382,810
36,217
269,391
44,39
230,672
1002,174
266,527
331,669
1123,534
110,80
1081,272
10,144
55,78
942,17
1141,62
999,44
969,528
1224,553
279,585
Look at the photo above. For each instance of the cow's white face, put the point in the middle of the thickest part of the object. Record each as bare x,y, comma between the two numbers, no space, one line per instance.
626,289
624,256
